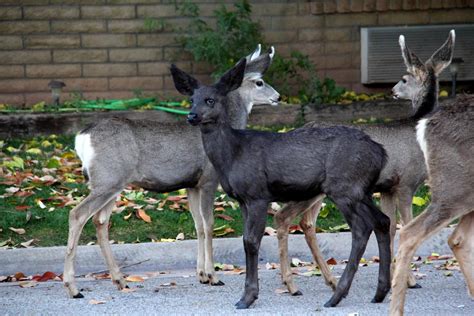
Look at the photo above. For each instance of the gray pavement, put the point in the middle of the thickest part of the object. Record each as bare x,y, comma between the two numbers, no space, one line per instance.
440,295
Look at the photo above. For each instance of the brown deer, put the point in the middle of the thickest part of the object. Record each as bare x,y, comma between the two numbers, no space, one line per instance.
447,140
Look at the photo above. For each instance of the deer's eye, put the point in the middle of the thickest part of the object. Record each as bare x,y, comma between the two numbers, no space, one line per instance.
191,101
259,83
210,102
404,80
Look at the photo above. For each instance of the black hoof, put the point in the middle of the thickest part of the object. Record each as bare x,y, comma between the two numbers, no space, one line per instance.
78,295
220,283
241,305
376,300
297,293
416,286
127,287
330,304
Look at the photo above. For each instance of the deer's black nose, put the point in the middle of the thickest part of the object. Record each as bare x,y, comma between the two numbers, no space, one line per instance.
193,118
279,98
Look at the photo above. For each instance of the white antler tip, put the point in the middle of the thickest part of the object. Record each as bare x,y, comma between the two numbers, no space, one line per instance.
272,52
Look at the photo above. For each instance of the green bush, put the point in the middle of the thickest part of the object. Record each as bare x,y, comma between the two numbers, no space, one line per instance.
235,35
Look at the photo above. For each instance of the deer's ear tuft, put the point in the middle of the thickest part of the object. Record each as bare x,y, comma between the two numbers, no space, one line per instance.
414,65
184,83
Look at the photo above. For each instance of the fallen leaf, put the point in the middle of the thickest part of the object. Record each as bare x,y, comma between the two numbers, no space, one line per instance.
295,229
135,278
19,276
126,217
272,266
331,261
448,273
40,204
169,284
101,276
375,259
19,231
22,207
47,276
27,284
270,231
143,215
225,217
27,244
180,236
96,302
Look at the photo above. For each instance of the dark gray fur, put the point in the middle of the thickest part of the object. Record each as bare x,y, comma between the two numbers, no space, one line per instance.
257,168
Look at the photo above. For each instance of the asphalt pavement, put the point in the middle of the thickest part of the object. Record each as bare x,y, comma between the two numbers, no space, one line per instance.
176,290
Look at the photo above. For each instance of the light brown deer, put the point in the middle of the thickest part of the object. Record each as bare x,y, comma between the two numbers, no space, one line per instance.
447,140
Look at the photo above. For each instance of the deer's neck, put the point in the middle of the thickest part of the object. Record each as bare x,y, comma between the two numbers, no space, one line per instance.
236,110
221,146
428,99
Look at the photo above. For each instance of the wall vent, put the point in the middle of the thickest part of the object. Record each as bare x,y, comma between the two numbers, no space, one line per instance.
381,60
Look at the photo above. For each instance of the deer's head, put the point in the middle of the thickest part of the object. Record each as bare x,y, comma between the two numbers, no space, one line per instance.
209,103
422,78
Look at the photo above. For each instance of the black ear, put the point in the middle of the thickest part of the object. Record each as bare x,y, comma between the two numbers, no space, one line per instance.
443,56
413,63
183,82
232,79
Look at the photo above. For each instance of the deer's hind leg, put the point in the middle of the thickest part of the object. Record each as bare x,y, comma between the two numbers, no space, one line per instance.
78,217
462,244
307,224
101,222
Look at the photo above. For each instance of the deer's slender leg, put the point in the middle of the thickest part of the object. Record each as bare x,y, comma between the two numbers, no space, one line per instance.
101,222
77,219
405,199
207,214
255,215
283,220
462,244
411,236
307,224
194,197
360,230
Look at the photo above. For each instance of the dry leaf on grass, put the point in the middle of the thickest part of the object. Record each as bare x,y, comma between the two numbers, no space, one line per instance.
96,302
331,261
19,231
143,215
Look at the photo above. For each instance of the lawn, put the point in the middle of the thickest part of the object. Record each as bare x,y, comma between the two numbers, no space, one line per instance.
41,180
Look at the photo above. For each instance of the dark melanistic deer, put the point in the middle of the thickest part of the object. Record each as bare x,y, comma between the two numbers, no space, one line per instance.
158,157
447,139
257,168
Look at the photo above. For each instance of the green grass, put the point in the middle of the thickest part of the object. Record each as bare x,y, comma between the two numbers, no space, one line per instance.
48,226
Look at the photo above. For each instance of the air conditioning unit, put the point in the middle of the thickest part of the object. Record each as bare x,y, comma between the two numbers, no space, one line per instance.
381,59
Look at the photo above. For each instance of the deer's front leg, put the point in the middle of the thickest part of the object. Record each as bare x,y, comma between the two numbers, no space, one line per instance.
255,214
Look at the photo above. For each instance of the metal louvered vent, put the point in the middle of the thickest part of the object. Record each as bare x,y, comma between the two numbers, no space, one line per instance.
382,60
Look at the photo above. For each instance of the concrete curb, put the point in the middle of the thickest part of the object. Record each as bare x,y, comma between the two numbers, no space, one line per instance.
182,254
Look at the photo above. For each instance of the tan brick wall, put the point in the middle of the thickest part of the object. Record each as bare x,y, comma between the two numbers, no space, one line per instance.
102,47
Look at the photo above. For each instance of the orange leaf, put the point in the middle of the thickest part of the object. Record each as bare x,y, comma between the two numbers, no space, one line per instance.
134,278
225,217
331,261
22,207
143,215
47,276
20,275
219,209
295,229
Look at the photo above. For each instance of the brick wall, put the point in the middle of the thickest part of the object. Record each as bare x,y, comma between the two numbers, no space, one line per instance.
103,49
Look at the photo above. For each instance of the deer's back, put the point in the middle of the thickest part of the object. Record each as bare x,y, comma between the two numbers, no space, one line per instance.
156,156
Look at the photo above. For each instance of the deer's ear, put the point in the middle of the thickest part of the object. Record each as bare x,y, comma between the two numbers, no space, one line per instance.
232,79
414,65
255,54
183,82
260,65
443,56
